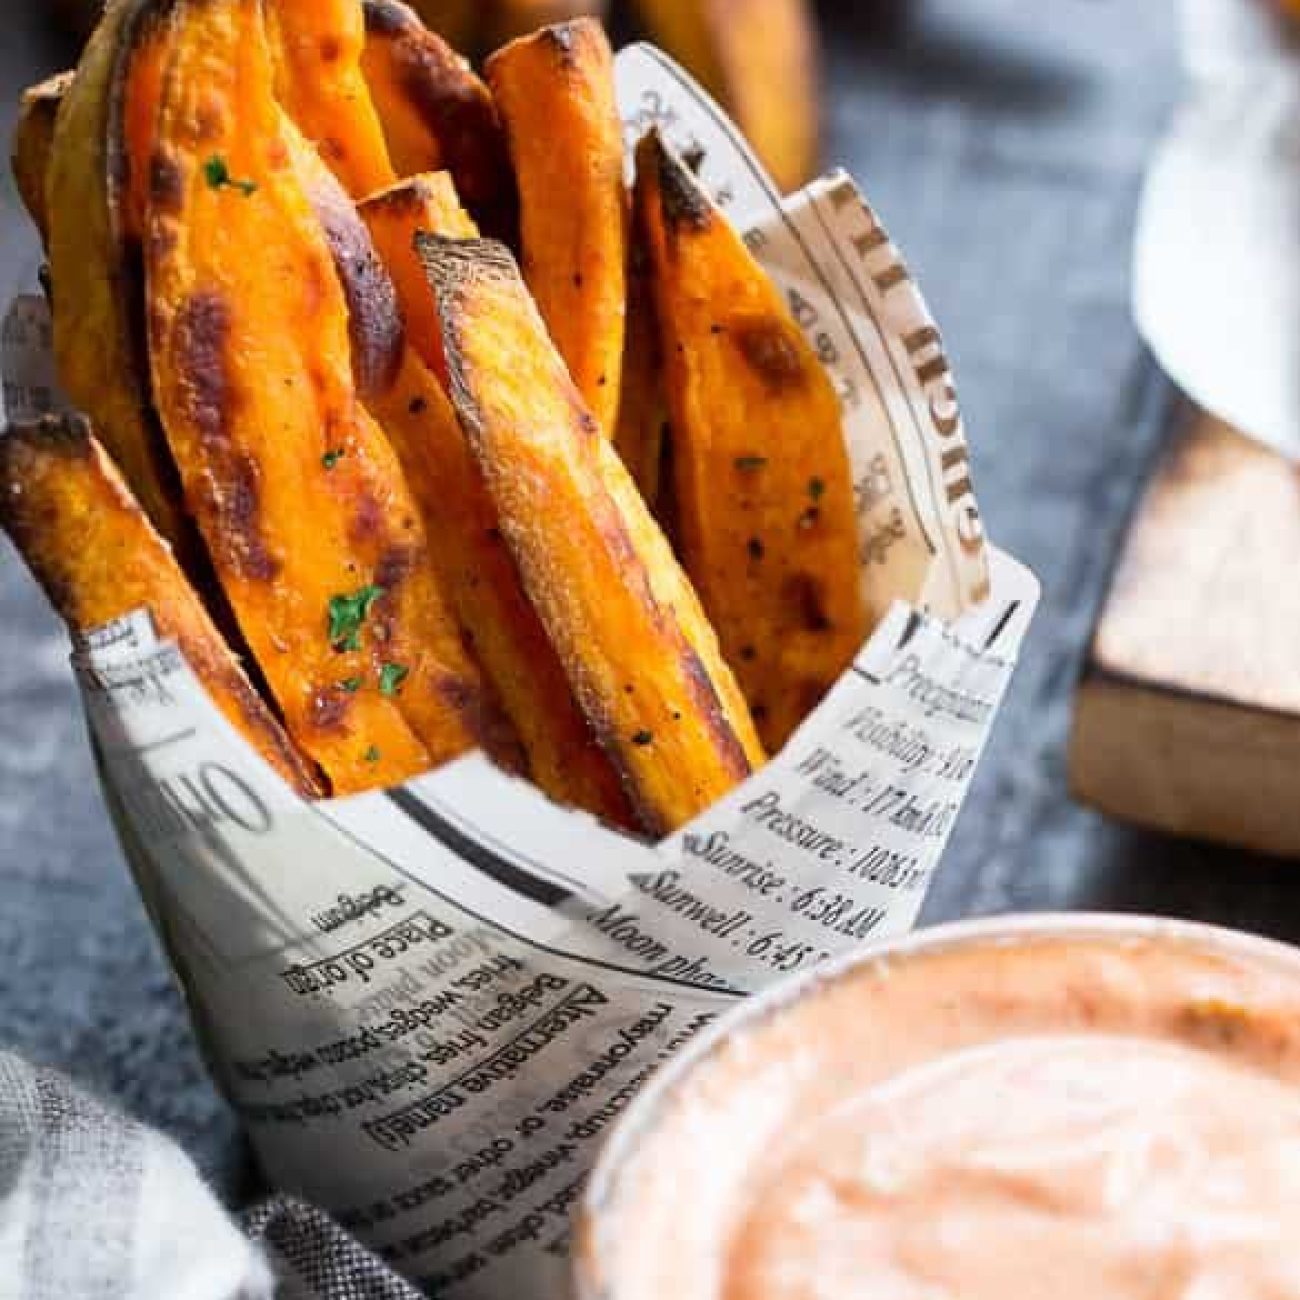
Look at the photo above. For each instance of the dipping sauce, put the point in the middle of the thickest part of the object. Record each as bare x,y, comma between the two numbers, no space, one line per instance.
1068,1110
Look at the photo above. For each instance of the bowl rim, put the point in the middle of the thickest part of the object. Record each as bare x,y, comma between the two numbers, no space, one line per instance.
637,1122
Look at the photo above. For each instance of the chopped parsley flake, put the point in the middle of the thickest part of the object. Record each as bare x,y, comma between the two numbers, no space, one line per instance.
332,457
750,463
350,684
372,754
643,737
347,613
217,174
815,488
391,677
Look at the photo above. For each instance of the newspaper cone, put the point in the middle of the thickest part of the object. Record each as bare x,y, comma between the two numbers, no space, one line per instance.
430,1004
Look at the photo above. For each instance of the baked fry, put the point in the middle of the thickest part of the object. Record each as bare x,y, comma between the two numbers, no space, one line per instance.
763,488
316,48
652,683
95,264
759,58
94,551
564,759
555,93
32,142
427,202
504,20
301,500
438,114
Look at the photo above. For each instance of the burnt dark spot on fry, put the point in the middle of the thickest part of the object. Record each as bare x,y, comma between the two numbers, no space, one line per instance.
770,352
383,18
563,39
369,522
202,336
394,566
329,709
166,183
681,199
805,598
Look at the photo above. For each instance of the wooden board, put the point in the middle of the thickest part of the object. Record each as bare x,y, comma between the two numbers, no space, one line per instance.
1187,717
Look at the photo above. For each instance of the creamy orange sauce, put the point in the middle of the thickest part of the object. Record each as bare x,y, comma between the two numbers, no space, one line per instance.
1091,1118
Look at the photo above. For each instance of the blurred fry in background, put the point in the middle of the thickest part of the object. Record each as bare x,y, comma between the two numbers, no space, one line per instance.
758,57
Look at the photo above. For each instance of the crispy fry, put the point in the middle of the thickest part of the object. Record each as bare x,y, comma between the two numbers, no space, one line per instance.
316,47
760,59
563,756
301,499
98,557
764,492
504,20
555,93
95,266
612,598
33,140
438,114
427,202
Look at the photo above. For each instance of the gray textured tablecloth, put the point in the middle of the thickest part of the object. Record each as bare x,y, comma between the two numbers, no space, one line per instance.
1002,141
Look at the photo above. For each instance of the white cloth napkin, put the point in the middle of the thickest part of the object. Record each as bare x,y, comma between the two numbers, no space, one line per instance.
94,1206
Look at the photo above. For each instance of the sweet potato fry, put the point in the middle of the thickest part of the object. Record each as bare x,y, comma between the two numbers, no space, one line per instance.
427,202
438,114
555,93
563,757
759,59
651,681
316,47
95,266
33,140
98,557
301,499
504,20
763,487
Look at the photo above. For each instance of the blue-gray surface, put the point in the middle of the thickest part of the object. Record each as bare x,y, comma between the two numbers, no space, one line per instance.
1003,143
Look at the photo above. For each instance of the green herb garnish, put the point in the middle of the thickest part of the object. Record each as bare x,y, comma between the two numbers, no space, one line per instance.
750,463
815,488
643,737
347,613
391,677
218,176
372,754
350,684
332,457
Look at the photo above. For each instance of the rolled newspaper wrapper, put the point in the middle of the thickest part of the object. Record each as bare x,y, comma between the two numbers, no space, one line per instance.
429,1004
1069,1083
